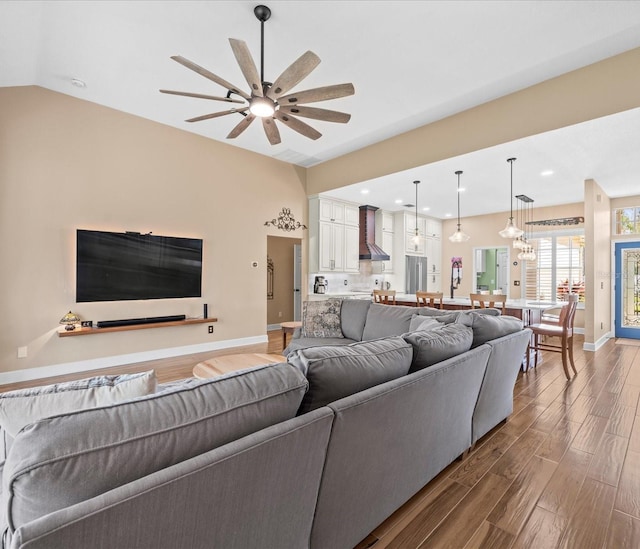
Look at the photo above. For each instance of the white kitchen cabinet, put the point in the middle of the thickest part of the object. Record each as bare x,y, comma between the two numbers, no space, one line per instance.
434,254
351,249
434,227
385,238
434,282
333,243
331,211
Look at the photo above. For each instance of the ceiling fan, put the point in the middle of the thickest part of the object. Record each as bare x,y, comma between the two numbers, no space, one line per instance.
270,101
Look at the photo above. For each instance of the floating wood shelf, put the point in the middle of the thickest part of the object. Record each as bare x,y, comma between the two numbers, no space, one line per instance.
89,331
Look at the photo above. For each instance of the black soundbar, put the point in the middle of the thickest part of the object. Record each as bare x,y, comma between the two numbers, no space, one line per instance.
133,321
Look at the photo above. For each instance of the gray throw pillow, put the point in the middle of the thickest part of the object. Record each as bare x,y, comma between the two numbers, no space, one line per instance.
337,372
321,318
387,320
486,327
431,347
419,322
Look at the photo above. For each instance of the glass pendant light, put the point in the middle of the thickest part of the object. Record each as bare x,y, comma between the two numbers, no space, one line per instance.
511,230
459,236
416,236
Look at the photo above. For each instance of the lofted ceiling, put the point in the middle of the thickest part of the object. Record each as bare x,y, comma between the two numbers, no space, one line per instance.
411,63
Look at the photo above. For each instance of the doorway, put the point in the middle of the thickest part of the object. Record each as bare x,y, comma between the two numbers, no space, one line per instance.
284,280
490,269
627,290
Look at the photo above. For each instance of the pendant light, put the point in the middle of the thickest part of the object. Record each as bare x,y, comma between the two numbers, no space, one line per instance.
459,236
528,253
511,230
416,236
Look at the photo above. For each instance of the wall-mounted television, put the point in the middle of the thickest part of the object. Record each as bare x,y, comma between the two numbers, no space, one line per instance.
124,266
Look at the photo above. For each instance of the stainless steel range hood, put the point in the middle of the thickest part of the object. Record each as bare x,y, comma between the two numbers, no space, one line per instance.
368,247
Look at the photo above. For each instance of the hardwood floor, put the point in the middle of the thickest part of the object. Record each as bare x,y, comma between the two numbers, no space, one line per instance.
563,471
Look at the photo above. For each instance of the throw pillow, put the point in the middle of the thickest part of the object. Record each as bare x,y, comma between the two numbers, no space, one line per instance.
387,320
431,347
419,322
19,408
321,318
486,327
337,372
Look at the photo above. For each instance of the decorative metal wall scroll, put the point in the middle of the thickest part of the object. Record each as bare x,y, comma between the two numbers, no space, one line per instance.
285,221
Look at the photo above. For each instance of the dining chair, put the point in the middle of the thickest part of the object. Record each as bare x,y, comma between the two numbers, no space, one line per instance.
430,299
485,301
563,330
386,297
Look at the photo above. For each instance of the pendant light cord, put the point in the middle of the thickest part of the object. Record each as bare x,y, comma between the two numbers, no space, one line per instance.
458,174
511,161
416,184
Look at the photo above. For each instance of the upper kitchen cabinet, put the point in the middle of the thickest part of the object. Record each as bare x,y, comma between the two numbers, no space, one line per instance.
333,236
384,237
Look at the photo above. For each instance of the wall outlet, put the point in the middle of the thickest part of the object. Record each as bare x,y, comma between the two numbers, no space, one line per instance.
345,283
279,314
210,329
22,352
86,323
516,283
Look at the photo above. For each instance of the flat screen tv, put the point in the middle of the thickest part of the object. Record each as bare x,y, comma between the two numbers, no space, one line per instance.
124,266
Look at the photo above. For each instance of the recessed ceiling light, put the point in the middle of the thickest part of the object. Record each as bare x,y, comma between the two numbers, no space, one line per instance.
364,191
461,189
78,83
399,201
447,215
426,209
546,173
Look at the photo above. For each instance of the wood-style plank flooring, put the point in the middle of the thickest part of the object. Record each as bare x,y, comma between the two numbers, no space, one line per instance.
563,471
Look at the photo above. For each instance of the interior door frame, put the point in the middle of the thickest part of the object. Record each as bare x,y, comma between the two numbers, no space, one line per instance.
616,318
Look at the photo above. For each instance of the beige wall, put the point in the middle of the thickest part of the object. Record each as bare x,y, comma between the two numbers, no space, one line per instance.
67,164
280,308
607,87
597,263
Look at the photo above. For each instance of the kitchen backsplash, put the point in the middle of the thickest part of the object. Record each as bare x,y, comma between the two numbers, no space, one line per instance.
364,281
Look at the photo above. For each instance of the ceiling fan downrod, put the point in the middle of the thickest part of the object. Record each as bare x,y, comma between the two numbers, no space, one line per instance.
262,13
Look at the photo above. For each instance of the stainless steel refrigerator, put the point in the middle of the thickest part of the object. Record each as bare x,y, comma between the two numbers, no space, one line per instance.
416,273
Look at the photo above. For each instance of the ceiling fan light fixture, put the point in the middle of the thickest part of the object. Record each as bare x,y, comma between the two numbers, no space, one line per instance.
262,107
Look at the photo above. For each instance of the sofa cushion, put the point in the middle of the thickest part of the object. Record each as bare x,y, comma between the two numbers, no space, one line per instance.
419,322
429,311
353,315
336,372
19,408
433,346
62,460
321,318
486,327
306,342
387,320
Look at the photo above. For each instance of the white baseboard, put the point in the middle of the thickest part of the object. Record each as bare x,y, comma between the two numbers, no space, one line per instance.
29,374
595,346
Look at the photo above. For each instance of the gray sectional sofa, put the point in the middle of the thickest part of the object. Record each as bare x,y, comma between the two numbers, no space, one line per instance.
312,453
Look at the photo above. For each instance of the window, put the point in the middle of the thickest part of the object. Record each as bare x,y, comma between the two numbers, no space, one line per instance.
558,269
627,220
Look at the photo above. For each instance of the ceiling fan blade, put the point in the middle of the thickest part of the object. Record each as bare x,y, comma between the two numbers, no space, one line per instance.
317,114
247,66
243,125
208,74
297,125
293,74
216,115
318,94
203,96
270,128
